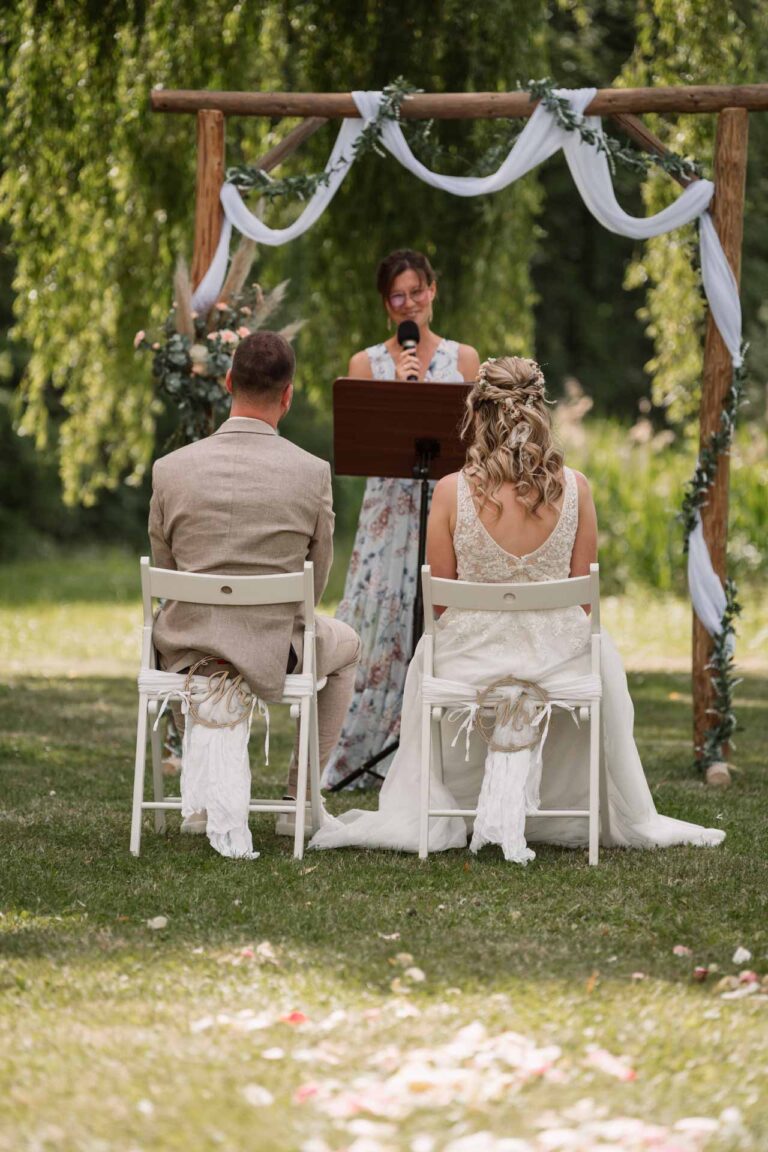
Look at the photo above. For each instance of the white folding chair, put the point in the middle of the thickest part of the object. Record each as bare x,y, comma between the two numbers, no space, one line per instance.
300,690
509,598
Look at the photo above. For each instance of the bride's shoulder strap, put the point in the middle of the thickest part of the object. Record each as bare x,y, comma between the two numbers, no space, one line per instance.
464,502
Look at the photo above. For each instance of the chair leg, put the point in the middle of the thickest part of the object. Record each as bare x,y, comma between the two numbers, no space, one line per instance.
314,765
426,757
157,768
594,783
301,782
138,775
437,747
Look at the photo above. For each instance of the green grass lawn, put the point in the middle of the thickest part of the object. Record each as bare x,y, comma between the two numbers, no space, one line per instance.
281,1005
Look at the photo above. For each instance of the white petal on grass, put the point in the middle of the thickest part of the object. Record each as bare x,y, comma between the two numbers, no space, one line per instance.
157,922
257,1096
741,955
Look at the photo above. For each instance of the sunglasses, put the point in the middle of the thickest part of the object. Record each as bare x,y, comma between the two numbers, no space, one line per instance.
397,300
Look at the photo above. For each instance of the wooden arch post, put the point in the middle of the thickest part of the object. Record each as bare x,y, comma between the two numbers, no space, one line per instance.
730,101
730,171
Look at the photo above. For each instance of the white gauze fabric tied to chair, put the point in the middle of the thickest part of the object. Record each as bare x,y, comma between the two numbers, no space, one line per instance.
215,770
513,764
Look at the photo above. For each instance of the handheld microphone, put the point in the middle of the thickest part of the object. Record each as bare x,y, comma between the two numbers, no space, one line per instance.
408,337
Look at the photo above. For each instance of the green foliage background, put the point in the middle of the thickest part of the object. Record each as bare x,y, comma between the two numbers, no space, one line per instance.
97,200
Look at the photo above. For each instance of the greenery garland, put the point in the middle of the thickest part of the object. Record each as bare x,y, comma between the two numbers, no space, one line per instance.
723,678
625,154
249,177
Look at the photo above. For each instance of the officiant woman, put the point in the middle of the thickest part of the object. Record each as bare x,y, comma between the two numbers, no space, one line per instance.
381,582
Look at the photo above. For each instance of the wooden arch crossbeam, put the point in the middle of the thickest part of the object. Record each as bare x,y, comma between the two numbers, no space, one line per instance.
731,103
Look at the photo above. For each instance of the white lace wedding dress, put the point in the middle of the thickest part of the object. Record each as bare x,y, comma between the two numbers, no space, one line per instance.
478,648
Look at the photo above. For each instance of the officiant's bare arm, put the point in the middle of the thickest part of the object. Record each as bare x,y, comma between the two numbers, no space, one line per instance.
585,545
468,362
441,556
360,367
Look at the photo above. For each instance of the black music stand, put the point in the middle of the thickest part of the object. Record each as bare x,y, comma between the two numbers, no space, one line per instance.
398,428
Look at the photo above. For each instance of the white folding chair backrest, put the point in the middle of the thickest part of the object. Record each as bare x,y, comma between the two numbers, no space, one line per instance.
227,591
538,596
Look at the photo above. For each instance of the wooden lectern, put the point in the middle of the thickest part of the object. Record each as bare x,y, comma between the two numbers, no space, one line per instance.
398,429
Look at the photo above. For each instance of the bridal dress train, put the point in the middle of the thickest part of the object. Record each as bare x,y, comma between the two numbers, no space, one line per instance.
479,648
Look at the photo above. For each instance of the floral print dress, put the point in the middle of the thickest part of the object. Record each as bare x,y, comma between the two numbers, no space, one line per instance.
378,597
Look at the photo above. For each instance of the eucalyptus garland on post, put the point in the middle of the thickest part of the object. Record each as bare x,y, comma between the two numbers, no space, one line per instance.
724,680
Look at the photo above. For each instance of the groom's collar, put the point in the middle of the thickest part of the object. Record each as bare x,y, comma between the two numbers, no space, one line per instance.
246,424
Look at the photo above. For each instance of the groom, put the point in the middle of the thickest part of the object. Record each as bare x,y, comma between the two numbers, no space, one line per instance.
246,502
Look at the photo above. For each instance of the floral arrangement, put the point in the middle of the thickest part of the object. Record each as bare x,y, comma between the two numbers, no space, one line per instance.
194,352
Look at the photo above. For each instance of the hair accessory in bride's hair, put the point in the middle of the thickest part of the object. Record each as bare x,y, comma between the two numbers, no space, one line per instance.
482,377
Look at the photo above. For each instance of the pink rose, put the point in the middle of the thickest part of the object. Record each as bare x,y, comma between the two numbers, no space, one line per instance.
243,332
138,338
228,336
222,306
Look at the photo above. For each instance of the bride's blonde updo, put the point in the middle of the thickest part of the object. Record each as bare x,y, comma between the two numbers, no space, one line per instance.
511,434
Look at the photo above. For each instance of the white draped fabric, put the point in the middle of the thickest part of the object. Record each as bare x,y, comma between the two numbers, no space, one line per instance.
215,771
541,138
511,788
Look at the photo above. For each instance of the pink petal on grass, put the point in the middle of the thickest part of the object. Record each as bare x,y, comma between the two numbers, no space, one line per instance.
682,950
612,1065
295,1018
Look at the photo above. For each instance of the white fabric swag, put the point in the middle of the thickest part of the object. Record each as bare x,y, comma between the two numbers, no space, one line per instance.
215,771
541,138
511,785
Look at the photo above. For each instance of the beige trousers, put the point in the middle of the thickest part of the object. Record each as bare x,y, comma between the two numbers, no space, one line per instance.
338,654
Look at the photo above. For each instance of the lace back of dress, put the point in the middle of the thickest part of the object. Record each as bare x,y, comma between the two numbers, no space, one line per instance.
479,557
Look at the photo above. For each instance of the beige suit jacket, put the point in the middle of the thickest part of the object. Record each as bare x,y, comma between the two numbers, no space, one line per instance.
245,502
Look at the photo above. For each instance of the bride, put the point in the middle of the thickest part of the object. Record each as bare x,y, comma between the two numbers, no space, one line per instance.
515,513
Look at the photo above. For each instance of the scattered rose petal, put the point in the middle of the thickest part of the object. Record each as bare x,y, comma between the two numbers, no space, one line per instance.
138,338
388,935
700,974
748,977
157,922
257,1096
612,1065
741,956
305,1092
741,993
403,959
273,1054
636,976
266,954
145,1107
682,950
415,975
202,1025
295,1018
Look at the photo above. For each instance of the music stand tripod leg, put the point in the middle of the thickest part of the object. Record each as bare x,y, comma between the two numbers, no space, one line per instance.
427,451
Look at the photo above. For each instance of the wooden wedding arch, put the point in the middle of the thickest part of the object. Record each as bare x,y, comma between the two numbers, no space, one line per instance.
731,103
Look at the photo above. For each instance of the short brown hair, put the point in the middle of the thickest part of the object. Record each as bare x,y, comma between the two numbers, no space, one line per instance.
262,365
399,261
